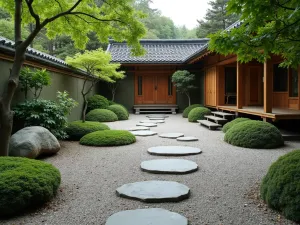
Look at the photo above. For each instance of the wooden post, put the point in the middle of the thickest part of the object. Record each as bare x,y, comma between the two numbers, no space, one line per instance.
240,87
268,87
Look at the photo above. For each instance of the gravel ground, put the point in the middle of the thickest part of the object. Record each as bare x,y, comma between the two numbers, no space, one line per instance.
223,191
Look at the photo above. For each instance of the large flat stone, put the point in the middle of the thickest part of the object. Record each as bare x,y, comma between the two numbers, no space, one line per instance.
155,216
171,135
152,121
143,133
154,191
138,128
157,116
187,139
173,150
169,166
147,124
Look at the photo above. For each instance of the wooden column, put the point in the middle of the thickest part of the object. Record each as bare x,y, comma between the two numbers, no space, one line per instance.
268,87
240,95
220,85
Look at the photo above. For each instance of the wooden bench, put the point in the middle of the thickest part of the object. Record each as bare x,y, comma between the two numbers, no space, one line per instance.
216,119
209,124
223,114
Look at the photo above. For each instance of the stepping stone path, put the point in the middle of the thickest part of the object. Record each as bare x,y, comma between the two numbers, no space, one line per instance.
169,166
187,139
157,116
171,135
138,128
147,124
143,133
150,216
174,150
152,121
154,191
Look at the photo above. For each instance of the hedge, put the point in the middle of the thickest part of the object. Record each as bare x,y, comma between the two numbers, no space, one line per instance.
97,102
101,115
119,110
187,110
198,114
230,124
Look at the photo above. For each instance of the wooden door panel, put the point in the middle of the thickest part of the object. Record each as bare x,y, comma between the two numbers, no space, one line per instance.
162,89
149,89
255,85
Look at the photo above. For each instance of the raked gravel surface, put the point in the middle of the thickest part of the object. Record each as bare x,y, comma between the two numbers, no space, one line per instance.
219,189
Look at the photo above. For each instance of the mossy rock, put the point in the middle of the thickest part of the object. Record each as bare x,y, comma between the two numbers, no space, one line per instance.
97,102
119,110
280,188
77,129
254,134
187,110
198,113
108,138
101,115
230,124
25,184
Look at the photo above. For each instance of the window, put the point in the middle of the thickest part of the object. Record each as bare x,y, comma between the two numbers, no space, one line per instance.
140,85
293,83
170,86
280,79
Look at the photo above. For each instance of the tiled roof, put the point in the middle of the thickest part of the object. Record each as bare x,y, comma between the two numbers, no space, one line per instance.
157,51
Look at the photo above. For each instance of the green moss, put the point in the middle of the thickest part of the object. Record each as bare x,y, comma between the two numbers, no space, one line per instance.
101,115
280,188
198,114
108,138
121,113
77,129
254,134
25,183
230,124
187,110
97,102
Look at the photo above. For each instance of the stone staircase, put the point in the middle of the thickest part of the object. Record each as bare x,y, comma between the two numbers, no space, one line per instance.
217,120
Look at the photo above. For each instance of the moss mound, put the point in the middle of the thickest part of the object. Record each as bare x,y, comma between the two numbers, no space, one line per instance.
254,134
230,124
198,113
280,188
119,110
108,138
77,129
187,110
101,115
25,183
97,102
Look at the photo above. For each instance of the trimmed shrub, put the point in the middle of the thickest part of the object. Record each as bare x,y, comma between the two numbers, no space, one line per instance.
25,183
119,110
187,110
230,124
110,102
77,129
97,102
101,115
254,134
280,188
108,138
198,114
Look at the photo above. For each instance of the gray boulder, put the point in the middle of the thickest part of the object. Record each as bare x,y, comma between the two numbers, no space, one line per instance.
33,141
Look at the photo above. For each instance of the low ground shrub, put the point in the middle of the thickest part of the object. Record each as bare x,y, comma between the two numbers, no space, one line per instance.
198,113
112,102
254,134
187,110
120,111
230,124
77,129
25,183
101,115
280,188
97,102
108,138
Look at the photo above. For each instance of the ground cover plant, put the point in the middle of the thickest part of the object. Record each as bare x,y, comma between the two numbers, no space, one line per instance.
198,113
101,115
97,102
187,110
120,111
230,124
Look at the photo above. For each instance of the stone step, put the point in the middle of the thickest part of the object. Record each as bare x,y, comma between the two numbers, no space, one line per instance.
216,119
223,114
209,124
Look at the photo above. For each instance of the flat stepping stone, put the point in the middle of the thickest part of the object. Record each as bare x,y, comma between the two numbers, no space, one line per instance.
171,135
189,138
152,216
169,166
143,133
147,124
152,121
174,150
138,128
154,191
157,116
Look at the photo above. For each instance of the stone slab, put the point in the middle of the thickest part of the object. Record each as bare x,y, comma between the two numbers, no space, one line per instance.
138,128
143,133
152,121
147,124
169,166
157,116
154,191
174,150
171,135
188,138
152,216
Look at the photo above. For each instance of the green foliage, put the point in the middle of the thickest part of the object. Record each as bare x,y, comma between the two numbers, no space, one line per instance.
187,110
97,102
77,129
119,110
112,102
198,113
263,32
108,138
230,124
25,183
254,134
280,188
101,115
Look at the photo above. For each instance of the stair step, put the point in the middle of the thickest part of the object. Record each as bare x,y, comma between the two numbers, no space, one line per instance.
218,120
223,114
209,124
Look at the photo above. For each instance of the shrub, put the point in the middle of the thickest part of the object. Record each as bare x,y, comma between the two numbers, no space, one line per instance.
187,110
25,183
119,110
97,102
112,102
230,124
101,115
280,188
77,129
198,114
254,134
108,138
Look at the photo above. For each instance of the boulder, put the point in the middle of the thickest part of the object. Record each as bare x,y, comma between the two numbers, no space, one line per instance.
32,142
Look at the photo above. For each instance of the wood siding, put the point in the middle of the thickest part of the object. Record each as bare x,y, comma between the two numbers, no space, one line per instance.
210,86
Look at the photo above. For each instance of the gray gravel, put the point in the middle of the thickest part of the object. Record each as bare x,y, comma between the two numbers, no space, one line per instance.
219,189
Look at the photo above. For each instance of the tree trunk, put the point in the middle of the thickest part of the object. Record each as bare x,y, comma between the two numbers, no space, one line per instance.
189,98
113,93
85,103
